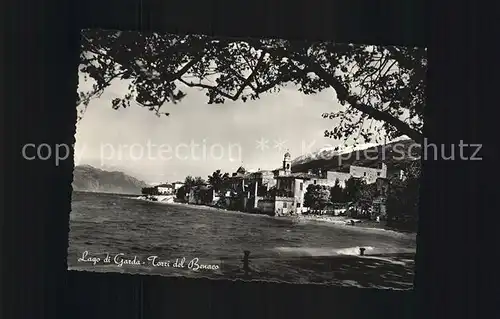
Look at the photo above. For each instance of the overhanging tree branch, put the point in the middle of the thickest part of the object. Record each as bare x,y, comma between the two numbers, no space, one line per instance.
166,59
245,84
343,95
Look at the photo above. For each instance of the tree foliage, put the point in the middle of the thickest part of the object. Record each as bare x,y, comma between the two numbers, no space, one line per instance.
385,84
181,192
316,196
337,193
353,189
217,179
191,181
150,191
365,196
403,197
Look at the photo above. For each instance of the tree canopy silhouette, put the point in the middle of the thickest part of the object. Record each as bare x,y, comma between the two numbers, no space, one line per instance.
217,179
191,181
403,196
316,196
385,84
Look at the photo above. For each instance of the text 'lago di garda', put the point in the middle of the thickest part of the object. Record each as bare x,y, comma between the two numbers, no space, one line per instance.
121,260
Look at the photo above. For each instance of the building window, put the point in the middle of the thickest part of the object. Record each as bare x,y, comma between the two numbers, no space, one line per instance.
284,205
298,205
301,186
364,174
378,173
314,182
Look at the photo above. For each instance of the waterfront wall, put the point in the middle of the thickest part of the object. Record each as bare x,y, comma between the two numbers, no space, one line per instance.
331,212
158,198
266,206
284,206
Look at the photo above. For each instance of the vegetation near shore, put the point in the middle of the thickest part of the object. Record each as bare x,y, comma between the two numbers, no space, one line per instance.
357,196
401,199
150,191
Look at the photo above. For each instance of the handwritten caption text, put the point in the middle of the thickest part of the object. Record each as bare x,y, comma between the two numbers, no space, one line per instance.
121,260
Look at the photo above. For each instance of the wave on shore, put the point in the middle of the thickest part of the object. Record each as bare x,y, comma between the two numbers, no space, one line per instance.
391,255
345,222
326,220
170,199
321,252
157,198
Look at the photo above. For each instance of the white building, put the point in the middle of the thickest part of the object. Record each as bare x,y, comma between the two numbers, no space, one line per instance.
165,189
177,185
291,187
369,174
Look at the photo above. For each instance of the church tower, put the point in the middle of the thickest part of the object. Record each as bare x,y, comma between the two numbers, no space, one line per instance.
287,163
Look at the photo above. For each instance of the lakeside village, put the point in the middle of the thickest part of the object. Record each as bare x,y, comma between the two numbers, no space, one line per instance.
362,193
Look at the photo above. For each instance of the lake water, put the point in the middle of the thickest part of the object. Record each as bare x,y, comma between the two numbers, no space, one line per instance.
280,249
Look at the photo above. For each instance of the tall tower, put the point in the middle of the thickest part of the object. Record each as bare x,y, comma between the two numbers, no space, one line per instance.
287,163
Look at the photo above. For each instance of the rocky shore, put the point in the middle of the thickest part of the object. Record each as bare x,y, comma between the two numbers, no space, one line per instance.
355,223
158,198
341,220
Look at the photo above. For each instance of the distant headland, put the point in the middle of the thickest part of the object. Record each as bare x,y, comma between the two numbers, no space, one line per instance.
89,178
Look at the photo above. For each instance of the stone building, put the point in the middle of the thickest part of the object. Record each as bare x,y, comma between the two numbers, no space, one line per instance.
165,189
244,189
281,191
287,195
368,174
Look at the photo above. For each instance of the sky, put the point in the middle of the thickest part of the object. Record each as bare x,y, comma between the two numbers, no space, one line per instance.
198,138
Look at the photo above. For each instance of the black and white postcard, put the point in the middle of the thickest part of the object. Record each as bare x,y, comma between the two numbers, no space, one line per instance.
247,159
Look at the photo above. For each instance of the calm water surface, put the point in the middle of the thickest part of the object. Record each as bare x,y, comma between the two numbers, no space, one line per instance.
110,224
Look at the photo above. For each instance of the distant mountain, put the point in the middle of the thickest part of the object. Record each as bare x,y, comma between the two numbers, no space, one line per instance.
395,155
89,178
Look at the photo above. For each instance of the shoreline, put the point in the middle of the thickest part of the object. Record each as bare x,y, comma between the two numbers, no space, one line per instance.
340,221
173,202
360,224
345,270
326,220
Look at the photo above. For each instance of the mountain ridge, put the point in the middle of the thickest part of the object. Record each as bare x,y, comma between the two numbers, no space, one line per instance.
396,155
90,178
